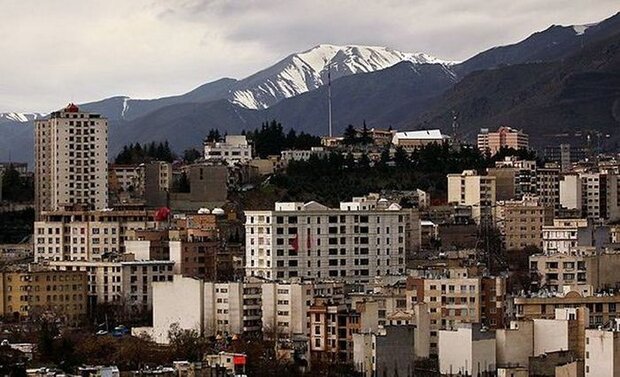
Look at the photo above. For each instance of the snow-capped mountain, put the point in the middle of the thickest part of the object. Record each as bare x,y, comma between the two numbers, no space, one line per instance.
19,117
302,72
296,74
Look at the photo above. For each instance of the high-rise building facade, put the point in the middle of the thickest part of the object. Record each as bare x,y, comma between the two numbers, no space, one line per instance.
71,160
360,240
504,137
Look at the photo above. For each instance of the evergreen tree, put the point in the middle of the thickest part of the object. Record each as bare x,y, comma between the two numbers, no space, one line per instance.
350,135
365,138
401,159
190,155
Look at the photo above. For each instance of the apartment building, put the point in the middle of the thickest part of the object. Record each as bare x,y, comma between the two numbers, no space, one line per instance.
302,155
126,177
235,149
471,189
389,351
504,137
524,339
104,279
521,222
548,187
571,196
280,310
285,309
232,308
58,295
71,160
467,350
557,270
157,183
569,235
589,269
362,239
329,323
565,155
601,308
125,184
459,300
85,235
119,282
514,178
137,278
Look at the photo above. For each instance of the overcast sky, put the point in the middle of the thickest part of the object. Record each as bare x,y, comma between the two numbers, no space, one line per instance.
52,52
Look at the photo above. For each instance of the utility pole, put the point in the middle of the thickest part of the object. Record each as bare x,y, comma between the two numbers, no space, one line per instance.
329,98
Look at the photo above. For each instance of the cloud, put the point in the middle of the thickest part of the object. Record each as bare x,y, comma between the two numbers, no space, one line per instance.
76,50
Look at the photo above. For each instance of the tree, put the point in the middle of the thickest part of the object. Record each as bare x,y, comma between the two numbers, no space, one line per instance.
190,155
16,188
350,135
214,136
137,154
187,344
401,159
365,138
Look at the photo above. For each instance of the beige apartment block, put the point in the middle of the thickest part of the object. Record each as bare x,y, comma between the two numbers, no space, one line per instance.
452,301
601,308
471,189
59,295
85,235
521,222
71,160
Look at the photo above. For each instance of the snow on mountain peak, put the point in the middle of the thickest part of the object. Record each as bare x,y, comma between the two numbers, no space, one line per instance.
581,29
305,71
20,117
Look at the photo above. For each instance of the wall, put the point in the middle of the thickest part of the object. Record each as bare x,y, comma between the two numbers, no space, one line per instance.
550,335
515,345
180,301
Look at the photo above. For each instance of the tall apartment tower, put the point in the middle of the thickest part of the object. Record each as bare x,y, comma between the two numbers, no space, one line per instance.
71,160
507,137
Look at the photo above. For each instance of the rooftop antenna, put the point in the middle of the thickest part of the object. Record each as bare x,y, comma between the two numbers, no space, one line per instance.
329,96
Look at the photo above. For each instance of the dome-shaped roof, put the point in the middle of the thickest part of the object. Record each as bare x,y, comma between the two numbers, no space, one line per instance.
72,108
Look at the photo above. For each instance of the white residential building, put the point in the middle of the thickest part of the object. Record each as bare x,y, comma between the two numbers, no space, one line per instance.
71,160
232,308
302,155
410,140
285,308
105,279
362,239
468,350
137,278
233,150
563,235
176,304
85,235
603,352
570,192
